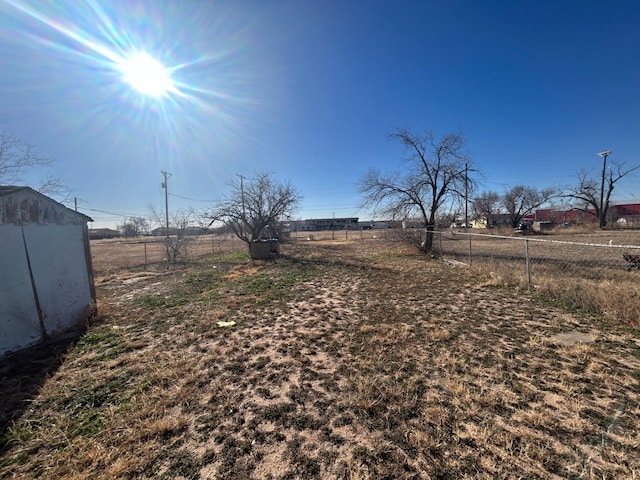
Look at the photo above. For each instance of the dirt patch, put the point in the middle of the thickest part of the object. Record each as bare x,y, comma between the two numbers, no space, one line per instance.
347,361
243,271
571,338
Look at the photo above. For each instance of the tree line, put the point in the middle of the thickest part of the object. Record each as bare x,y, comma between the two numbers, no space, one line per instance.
437,173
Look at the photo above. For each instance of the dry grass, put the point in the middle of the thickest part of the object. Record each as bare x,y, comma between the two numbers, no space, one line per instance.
348,360
577,275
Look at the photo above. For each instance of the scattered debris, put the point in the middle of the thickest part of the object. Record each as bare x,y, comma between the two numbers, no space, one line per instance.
226,324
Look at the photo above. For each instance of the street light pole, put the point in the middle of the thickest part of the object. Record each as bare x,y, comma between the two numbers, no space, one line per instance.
602,219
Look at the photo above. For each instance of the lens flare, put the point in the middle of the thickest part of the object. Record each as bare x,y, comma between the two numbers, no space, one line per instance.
168,79
147,75
108,47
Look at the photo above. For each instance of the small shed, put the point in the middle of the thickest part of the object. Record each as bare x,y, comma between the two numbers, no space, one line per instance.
46,278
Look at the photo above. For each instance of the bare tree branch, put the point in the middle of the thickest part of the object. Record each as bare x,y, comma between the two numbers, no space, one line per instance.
133,226
174,238
18,158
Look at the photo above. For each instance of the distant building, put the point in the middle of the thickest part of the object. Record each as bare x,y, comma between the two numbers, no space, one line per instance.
161,231
625,215
619,214
493,221
101,233
373,225
570,216
196,231
320,224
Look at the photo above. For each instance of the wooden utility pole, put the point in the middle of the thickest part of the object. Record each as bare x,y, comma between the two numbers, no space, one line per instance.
166,201
603,218
244,213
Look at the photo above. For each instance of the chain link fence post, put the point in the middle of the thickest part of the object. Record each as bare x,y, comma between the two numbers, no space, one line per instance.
528,263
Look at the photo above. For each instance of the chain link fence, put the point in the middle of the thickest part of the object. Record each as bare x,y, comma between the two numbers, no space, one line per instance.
143,252
598,277
533,258
602,278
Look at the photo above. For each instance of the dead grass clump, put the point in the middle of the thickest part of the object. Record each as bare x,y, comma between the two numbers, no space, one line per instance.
615,299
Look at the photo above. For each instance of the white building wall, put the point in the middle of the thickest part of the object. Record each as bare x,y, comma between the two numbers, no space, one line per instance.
19,324
60,276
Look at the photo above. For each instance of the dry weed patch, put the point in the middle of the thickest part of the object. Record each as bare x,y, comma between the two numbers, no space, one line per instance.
347,360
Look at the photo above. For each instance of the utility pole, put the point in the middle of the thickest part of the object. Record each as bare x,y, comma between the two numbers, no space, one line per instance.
466,196
466,207
602,220
166,202
244,213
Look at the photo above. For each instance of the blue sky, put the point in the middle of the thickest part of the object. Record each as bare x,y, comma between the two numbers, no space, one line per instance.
310,90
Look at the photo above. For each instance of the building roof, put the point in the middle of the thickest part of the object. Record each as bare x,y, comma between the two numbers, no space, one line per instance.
627,209
6,191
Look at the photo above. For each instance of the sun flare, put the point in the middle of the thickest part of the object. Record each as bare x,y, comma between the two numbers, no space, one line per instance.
147,75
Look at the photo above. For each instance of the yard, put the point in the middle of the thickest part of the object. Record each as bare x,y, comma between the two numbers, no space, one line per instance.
345,359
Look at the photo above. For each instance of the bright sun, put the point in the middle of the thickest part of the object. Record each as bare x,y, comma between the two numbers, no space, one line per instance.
146,75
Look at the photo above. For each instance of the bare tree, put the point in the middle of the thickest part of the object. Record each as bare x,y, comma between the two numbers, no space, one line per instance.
436,174
585,196
521,201
487,206
18,158
174,238
254,208
133,226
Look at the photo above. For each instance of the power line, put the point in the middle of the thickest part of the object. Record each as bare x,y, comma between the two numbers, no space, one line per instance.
117,214
192,199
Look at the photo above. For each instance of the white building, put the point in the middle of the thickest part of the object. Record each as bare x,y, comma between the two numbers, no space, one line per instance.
46,279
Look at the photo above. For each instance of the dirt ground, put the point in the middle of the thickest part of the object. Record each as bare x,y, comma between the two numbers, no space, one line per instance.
341,360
